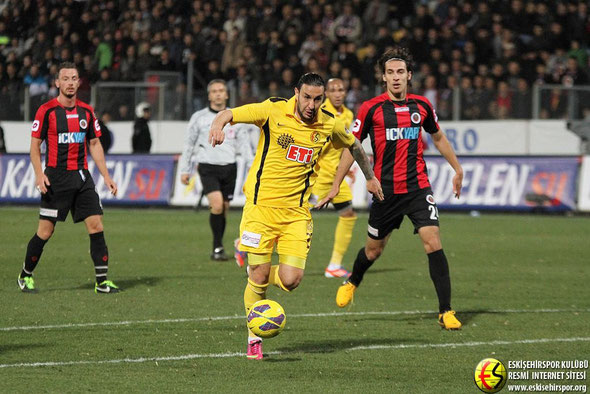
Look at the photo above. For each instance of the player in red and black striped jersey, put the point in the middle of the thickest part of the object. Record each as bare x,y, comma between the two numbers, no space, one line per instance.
394,121
70,129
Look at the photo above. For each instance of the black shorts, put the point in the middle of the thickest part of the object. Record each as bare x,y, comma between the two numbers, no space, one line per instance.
387,215
218,178
69,190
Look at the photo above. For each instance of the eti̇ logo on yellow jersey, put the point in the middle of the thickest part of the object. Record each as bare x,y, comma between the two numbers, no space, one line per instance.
490,375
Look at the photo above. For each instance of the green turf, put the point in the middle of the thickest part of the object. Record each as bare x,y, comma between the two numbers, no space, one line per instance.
499,264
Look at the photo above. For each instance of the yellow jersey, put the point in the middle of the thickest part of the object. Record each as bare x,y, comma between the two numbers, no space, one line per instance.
283,170
330,158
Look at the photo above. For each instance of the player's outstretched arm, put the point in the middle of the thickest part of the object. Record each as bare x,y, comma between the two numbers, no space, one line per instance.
444,147
216,133
97,154
373,184
346,161
41,179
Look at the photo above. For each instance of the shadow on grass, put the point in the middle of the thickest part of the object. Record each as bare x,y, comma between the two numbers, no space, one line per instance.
4,349
371,271
124,284
381,270
339,345
278,359
465,317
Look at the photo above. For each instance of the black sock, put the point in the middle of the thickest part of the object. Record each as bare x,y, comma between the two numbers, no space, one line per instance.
361,265
100,256
439,273
34,251
217,223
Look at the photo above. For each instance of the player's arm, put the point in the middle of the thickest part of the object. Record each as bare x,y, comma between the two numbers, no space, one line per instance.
355,152
250,113
346,161
192,135
97,153
41,179
441,142
444,147
216,133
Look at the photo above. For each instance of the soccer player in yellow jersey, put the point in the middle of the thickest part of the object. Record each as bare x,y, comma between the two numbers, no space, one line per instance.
276,213
326,167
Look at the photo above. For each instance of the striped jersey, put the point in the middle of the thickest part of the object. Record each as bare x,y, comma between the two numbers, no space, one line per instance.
394,128
65,131
283,173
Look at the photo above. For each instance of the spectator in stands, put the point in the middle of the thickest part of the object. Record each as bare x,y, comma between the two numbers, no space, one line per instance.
502,106
104,52
106,138
37,85
2,141
522,100
142,139
347,27
573,74
467,37
11,94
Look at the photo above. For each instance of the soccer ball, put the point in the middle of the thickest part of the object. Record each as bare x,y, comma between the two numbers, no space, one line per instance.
266,318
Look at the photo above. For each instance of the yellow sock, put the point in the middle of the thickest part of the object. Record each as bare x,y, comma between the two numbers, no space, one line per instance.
253,293
274,279
342,237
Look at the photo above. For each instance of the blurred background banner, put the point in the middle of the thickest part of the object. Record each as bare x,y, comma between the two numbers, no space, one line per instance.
507,183
510,183
140,179
504,183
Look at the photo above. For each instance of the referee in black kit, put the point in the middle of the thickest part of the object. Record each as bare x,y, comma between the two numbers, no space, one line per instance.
217,167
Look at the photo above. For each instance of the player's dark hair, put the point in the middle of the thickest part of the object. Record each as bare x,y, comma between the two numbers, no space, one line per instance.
213,81
397,53
65,65
312,79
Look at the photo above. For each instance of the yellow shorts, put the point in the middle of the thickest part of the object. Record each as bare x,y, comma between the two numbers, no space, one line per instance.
290,229
320,190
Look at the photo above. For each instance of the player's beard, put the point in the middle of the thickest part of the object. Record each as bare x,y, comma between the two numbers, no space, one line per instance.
303,117
68,95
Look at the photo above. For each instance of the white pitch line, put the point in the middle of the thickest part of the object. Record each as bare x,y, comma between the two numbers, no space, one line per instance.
238,354
328,314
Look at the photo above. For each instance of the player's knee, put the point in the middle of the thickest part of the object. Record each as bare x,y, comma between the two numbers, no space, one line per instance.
95,227
432,244
216,208
45,233
258,275
373,252
348,213
291,282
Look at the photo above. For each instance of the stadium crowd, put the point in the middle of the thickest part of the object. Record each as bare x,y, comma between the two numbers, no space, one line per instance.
493,50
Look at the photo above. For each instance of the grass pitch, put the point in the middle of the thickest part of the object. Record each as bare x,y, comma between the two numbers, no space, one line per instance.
520,286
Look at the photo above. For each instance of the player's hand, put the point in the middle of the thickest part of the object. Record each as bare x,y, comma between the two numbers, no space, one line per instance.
326,200
457,184
374,187
111,185
184,179
216,137
41,183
